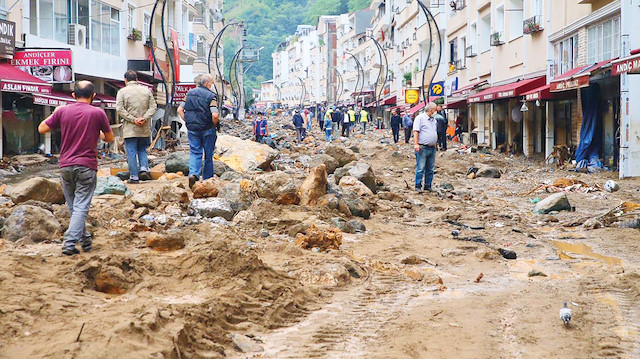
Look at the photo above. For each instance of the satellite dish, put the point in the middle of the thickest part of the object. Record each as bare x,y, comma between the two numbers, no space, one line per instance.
217,16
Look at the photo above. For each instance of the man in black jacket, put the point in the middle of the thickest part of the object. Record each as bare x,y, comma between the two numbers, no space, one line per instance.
441,117
396,121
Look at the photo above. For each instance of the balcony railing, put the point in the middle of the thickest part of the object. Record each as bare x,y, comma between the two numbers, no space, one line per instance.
497,38
458,5
532,25
470,51
460,64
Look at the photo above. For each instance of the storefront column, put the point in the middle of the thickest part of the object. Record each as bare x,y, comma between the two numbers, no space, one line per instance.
492,128
47,136
1,129
549,140
526,133
629,94
480,112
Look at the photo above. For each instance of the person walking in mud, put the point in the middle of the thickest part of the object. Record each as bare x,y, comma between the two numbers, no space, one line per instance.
425,138
364,118
396,121
441,118
260,127
199,113
407,124
328,128
81,125
298,123
136,106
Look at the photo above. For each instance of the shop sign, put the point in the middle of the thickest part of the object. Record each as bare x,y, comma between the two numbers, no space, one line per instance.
437,89
506,94
53,66
570,84
473,99
180,93
629,65
7,38
411,96
24,87
533,96
109,105
50,101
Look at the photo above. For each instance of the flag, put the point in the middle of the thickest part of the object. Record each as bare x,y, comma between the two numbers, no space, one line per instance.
382,31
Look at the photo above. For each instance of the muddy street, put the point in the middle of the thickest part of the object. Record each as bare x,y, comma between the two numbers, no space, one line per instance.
319,250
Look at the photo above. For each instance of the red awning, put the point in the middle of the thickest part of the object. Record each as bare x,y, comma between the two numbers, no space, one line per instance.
576,78
400,108
464,91
13,79
108,101
56,99
457,103
629,64
513,89
417,108
386,102
540,93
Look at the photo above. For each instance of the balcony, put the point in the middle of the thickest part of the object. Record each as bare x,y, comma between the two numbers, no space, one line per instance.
460,64
458,5
497,38
532,25
470,51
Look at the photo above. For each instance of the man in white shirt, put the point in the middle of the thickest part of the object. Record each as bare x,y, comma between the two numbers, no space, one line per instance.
425,139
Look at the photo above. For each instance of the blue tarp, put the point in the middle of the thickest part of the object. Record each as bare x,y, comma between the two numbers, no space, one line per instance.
588,151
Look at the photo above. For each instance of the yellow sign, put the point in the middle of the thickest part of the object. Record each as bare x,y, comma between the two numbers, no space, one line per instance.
411,96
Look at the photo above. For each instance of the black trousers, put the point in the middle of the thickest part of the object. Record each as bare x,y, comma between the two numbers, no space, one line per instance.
345,129
407,134
396,133
442,141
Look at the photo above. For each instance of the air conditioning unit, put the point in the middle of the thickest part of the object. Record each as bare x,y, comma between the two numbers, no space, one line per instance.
77,35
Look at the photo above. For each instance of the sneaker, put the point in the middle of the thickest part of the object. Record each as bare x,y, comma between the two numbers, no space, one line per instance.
419,190
70,251
145,176
86,243
132,181
192,180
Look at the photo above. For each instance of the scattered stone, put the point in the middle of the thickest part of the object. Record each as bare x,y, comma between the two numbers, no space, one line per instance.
177,162
264,233
31,223
611,186
555,202
488,172
148,198
353,184
358,226
412,260
38,189
219,168
357,207
447,186
364,173
244,155
508,254
330,162
268,185
244,217
239,199
341,154
486,253
536,273
288,195
174,193
111,185
453,252
212,207
205,189
165,242
314,186
322,239
343,171
219,221
140,212
170,176
390,196
246,344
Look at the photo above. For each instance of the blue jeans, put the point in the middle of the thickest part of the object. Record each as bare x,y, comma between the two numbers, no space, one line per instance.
364,127
328,134
136,148
201,142
425,165
78,185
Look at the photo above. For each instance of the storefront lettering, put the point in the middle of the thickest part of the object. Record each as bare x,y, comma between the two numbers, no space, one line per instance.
16,87
504,94
631,65
570,84
533,96
7,38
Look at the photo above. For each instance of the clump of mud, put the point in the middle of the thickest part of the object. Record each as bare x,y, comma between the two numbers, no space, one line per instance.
321,239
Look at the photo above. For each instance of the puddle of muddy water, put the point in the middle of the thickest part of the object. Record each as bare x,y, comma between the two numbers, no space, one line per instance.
566,249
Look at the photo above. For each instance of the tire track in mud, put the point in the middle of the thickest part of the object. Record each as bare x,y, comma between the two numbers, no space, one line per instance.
349,324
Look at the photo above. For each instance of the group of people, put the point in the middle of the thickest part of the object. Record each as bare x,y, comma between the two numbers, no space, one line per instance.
406,122
345,118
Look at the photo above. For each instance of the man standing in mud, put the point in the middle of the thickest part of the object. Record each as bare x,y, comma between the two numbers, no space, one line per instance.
81,125
425,138
201,117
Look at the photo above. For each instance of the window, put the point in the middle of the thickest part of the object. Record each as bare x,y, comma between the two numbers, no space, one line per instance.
484,29
46,19
499,25
147,23
473,37
104,29
131,17
3,11
453,51
537,7
603,41
463,46
516,18
565,55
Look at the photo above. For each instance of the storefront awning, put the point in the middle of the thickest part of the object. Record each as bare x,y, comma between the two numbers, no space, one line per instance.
576,78
108,101
456,103
630,65
56,99
13,79
540,93
386,102
513,89
421,105
466,90
400,108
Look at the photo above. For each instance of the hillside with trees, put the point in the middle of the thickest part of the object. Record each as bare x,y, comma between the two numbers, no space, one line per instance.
269,22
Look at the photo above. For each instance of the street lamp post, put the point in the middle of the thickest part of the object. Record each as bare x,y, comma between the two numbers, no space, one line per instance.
215,45
430,20
386,67
233,69
341,87
360,68
304,90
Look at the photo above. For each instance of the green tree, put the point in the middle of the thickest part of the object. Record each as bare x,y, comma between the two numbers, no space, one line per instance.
355,5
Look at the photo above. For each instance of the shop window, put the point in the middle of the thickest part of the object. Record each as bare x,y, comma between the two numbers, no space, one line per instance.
566,55
145,29
603,41
131,17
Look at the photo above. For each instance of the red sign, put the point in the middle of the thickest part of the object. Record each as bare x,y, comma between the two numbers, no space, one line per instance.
24,87
51,101
533,96
570,84
181,92
176,53
47,65
627,65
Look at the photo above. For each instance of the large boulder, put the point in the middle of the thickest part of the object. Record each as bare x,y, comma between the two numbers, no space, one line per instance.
244,155
350,183
364,173
342,154
314,186
238,198
358,207
174,193
343,171
148,198
270,184
38,189
219,168
488,172
111,185
31,223
205,189
330,162
555,202
212,207
288,194
177,162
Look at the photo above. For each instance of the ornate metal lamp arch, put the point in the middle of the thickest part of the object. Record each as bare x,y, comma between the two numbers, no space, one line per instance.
215,45
382,55
238,94
341,87
430,20
355,90
304,91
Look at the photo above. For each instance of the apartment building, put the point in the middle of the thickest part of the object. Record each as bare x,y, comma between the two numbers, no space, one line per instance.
58,42
530,73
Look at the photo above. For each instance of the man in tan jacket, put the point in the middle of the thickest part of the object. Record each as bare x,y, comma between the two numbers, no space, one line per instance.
135,105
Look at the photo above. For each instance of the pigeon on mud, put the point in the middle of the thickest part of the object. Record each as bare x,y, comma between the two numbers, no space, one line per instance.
565,314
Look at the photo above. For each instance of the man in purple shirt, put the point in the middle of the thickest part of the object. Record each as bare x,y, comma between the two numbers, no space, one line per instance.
81,126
